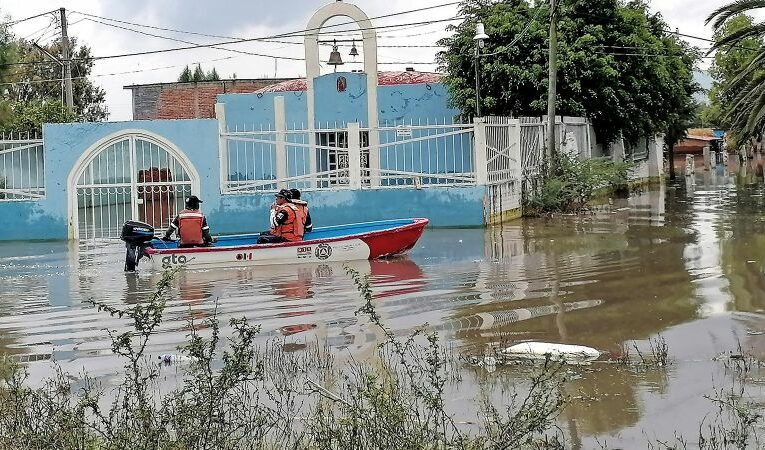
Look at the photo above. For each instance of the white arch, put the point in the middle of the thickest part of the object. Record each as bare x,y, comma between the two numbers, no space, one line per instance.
312,68
102,144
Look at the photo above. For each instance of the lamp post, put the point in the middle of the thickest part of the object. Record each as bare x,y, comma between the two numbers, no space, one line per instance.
480,37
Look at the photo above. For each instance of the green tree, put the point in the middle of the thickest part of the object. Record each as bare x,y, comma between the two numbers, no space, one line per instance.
28,117
199,74
39,79
185,76
617,64
7,56
738,95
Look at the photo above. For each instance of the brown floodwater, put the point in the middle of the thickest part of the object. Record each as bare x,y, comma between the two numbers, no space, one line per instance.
684,261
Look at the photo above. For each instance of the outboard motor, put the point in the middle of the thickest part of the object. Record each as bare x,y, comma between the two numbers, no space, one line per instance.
137,237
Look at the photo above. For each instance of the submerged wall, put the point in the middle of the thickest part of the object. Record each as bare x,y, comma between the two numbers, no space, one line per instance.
49,217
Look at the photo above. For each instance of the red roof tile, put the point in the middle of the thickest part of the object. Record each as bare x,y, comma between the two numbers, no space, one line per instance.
387,78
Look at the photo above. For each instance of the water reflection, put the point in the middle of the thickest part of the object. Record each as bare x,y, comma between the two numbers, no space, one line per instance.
684,260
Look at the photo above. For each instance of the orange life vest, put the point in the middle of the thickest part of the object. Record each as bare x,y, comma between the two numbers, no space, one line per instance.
294,228
302,215
190,227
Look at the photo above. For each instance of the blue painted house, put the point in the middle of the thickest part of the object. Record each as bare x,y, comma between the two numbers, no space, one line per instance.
362,146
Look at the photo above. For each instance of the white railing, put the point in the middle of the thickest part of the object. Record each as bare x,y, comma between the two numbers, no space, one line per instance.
22,168
341,156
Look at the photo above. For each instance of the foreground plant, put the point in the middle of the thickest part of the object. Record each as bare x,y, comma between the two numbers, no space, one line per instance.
235,394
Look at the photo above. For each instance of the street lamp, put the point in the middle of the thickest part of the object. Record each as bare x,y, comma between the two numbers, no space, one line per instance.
480,37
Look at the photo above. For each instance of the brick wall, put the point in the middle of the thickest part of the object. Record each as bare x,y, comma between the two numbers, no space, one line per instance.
188,100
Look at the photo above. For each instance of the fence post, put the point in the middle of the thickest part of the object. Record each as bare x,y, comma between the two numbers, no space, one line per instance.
515,147
479,149
354,156
280,121
220,114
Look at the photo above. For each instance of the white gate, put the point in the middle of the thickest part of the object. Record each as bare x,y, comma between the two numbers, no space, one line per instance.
133,176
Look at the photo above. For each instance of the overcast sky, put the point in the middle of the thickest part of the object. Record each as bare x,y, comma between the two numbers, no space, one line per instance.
252,18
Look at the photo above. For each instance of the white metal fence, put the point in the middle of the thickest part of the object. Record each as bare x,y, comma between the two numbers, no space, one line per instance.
22,168
346,156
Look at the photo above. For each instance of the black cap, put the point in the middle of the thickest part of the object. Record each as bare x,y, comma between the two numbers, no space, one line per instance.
295,194
285,193
193,200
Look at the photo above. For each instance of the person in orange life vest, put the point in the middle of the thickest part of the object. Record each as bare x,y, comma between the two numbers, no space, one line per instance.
190,225
307,224
287,224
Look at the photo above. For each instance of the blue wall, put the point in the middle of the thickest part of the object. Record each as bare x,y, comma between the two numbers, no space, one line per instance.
396,104
64,143
198,139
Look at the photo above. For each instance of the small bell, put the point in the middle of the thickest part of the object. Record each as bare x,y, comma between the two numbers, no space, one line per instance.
334,58
354,51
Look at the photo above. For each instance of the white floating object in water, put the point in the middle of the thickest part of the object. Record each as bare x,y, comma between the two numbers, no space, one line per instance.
490,361
556,352
174,359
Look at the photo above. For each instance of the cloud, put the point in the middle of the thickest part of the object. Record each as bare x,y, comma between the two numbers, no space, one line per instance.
214,17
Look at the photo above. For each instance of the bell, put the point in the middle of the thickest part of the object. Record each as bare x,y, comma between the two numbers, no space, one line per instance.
354,51
334,58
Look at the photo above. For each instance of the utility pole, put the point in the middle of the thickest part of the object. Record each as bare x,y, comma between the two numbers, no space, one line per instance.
477,81
552,85
66,56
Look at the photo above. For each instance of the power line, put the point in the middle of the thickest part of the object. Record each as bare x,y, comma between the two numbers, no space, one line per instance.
427,8
190,42
14,22
242,51
194,47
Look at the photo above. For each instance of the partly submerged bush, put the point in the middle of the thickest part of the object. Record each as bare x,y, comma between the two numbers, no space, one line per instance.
236,394
575,183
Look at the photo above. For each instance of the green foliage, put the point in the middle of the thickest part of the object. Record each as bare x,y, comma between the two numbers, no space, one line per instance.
185,76
235,395
736,98
575,184
88,98
198,74
33,88
28,117
601,74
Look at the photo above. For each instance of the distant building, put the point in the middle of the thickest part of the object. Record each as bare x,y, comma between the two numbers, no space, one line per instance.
697,139
194,100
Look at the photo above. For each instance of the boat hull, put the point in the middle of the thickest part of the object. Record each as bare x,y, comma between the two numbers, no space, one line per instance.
384,238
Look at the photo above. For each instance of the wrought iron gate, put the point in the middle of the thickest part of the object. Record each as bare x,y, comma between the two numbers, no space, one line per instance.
132,177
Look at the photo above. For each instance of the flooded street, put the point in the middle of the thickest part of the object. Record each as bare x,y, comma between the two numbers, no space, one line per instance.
685,261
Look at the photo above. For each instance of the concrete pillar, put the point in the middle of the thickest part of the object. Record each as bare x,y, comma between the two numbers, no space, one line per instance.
220,114
479,150
656,156
280,122
707,157
354,156
690,165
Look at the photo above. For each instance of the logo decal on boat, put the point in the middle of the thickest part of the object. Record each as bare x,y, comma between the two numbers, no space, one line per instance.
303,252
168,261
323,251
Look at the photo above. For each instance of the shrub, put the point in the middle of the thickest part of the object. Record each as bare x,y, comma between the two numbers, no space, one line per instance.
575,184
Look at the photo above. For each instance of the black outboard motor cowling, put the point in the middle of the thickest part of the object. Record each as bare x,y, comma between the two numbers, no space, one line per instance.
137,237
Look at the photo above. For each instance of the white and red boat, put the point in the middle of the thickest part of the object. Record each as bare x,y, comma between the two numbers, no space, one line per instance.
368,240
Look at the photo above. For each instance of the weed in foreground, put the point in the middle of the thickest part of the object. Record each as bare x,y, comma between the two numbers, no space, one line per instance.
237,394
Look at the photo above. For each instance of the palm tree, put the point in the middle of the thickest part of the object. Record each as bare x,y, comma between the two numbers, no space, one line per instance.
745,112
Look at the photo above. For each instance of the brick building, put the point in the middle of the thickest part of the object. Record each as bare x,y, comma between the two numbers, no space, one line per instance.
195,100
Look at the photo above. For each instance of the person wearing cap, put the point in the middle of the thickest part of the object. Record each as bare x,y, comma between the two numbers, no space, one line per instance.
286,223
303,206
190,225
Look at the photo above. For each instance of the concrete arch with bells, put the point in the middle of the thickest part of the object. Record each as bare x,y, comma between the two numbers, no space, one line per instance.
369,45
